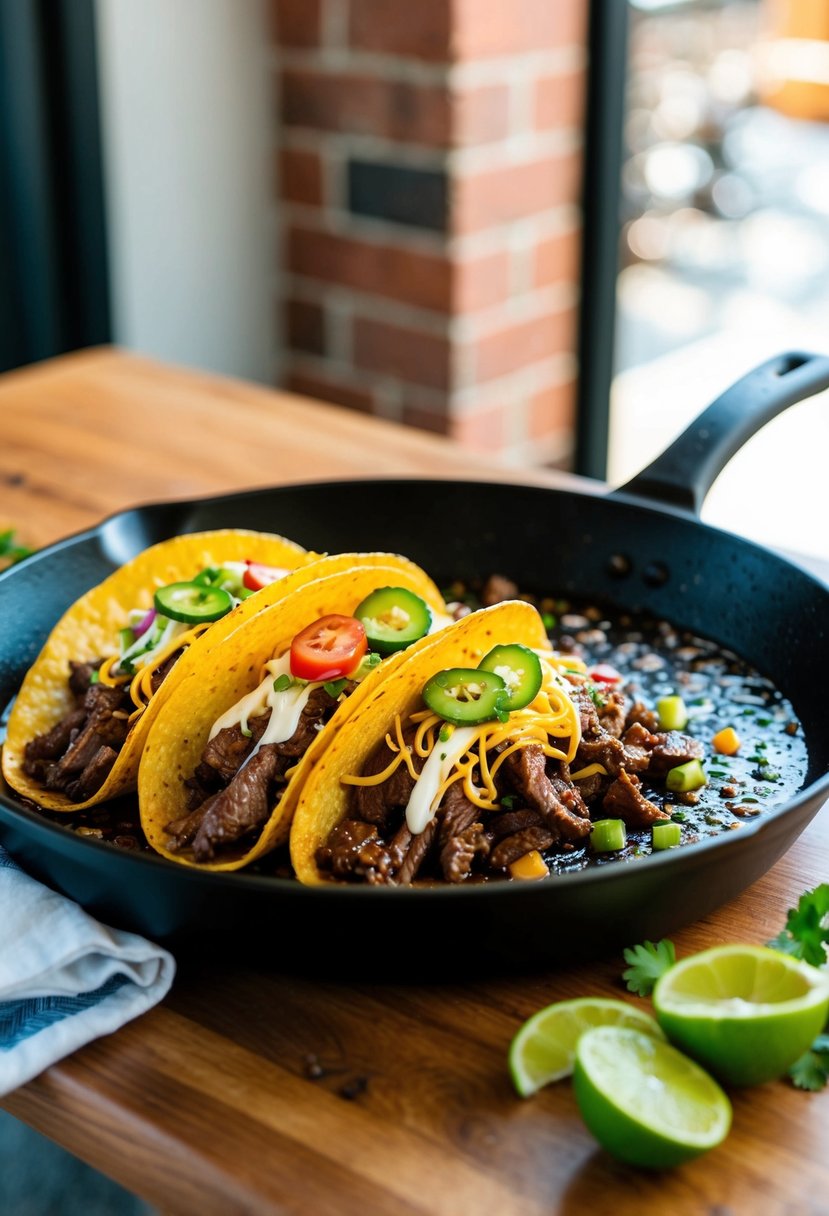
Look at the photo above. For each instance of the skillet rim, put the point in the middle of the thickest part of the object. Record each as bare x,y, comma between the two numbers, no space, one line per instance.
97,534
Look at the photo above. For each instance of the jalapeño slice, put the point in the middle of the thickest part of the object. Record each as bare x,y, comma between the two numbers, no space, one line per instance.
192,602
519,668
393,618
466,696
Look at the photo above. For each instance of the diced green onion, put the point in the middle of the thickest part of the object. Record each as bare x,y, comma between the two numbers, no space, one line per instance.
126,638
678,816
608,835
335,687
666,836
686,777
672,712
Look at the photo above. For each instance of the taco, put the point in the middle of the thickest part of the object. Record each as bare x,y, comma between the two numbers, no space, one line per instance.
438,776
75,734
230,748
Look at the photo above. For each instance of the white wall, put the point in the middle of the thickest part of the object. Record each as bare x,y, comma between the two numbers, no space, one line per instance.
187,132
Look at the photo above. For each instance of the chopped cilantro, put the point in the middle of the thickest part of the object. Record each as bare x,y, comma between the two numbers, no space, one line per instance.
283,683
647,963
678,816
95,677
595,696
807,928
335,687
509,801
764,722
548,620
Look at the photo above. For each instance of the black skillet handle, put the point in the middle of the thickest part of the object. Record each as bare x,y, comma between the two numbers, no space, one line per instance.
685,472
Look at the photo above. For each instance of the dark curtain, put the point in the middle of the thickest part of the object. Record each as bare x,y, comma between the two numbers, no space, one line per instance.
54,293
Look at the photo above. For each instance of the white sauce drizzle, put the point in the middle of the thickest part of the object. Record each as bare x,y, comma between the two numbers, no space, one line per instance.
286,706
419,810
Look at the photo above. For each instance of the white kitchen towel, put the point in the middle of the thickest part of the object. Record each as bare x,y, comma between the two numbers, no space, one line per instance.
65,979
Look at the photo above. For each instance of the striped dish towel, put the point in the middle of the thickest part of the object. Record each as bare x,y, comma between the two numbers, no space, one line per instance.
65,979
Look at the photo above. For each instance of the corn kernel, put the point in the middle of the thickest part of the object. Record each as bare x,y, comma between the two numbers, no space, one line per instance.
726,742
531,865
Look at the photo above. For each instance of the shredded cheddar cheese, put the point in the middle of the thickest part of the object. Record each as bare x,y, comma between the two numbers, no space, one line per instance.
550,721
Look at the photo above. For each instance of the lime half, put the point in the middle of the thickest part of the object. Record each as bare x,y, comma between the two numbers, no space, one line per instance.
745,1012
644,1101
545,1047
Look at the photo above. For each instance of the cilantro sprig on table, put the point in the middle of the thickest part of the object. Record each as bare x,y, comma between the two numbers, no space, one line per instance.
11,552
805,937
807,928
647,962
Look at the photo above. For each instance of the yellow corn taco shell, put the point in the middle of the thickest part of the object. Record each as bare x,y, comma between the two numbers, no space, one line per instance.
233,669
323,800
88,630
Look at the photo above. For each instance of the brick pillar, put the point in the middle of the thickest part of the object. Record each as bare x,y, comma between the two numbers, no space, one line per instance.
430,171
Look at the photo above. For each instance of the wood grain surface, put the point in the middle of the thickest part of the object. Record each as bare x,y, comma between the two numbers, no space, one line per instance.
254,1092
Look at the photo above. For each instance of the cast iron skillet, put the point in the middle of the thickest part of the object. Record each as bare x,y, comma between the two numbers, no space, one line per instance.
641,548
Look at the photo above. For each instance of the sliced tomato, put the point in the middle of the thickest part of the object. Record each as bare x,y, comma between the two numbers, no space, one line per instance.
258,576
603,673
330,647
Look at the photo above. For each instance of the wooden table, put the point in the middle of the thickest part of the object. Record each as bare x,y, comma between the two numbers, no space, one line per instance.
249,1092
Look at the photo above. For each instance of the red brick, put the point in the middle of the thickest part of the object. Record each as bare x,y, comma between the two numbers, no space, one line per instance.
366,105
340,393
560,101
425,419
520,344
422,279
481,282
409,354
305,326
500,196
300,177
295,22
489,28
483,429
421,29
558,259
480,116
552,411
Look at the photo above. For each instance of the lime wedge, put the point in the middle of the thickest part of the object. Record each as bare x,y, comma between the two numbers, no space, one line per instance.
545,1047
745,1012
644,1101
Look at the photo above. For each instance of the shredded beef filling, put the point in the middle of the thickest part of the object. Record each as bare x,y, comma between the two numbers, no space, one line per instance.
543,808
237,783
76,755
